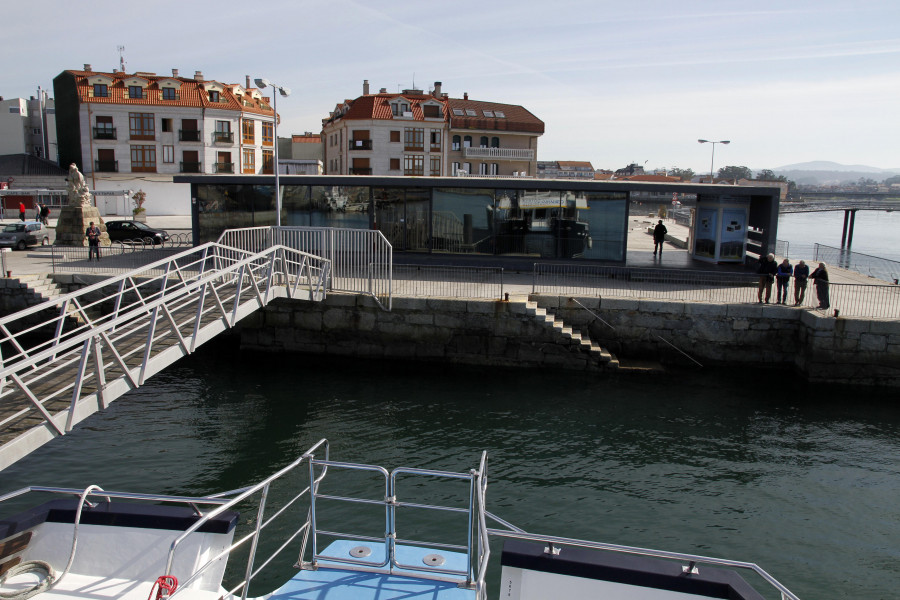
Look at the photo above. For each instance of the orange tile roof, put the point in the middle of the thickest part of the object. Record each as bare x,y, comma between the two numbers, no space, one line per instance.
574,164
306,139
191,94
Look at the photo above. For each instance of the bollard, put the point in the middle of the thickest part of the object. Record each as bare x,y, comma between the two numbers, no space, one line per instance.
3,266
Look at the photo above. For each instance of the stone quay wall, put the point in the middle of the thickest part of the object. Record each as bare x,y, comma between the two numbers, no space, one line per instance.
485,332
476,332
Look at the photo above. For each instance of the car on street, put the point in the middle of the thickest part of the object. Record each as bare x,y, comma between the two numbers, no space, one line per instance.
20,235
135,232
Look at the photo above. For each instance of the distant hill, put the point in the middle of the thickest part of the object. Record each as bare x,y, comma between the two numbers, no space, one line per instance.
824,172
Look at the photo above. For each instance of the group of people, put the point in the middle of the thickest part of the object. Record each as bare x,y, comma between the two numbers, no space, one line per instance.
41,212
771,272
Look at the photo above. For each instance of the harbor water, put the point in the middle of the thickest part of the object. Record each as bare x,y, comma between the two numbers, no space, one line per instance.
746,465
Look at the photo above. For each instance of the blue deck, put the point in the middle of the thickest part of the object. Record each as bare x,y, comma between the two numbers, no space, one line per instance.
333,581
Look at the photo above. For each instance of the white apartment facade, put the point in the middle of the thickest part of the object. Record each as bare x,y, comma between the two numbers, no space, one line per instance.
136,131
28,126
412,133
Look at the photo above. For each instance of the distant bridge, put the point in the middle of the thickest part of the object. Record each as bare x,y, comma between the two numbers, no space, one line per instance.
831,204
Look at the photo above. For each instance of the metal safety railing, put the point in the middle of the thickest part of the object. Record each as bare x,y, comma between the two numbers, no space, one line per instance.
361,259
874,266
850,300
62,360
448,281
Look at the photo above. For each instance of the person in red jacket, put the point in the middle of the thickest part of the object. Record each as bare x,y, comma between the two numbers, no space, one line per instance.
22,211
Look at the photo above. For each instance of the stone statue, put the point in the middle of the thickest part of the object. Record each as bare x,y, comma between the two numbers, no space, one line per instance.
79,194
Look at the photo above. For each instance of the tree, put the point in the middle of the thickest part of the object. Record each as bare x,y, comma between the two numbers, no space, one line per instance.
684,174
732,172
892,180
768,175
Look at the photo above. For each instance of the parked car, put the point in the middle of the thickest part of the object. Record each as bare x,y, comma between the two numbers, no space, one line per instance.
23,234
135,231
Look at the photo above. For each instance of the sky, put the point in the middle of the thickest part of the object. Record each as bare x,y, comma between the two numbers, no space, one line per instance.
614,82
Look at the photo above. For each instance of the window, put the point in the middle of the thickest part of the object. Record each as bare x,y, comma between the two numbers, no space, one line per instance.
268,133
101,90
395,163
456,141
395,137
165,124
414,138
435,140
168,154
499,114
213,96
141,126
487,113
483,169
135,91
268,162
454,169
400,109
495,169
104,130
495,142
15,110
435,170
169,94
249,160
430,111
470,112
143,159
414,165
247,130
458,112
467,141
484,141
467,167
223,132
189,131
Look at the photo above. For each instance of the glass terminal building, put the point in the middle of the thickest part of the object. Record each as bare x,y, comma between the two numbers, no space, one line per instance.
490,217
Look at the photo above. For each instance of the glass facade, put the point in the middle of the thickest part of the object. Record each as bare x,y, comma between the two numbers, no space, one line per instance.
549,224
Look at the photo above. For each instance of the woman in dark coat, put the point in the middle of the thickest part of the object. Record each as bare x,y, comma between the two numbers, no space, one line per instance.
820,276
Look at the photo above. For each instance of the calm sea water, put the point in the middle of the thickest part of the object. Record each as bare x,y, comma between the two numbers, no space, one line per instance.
874,233
747,465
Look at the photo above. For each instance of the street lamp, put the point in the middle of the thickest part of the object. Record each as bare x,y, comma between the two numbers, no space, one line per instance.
262,83
713,160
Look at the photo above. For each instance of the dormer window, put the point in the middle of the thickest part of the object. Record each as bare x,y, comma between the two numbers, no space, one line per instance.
401,109
431,111
101,90
135,92
169,94
213,96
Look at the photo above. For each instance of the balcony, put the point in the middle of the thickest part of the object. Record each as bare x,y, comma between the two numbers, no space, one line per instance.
499,153
224,137
224,167
104,133
106,166
360,171
360,144
190,167
188,135
484,176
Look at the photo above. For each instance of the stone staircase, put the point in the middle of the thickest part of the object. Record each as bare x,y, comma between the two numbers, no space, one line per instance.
30,290
603,359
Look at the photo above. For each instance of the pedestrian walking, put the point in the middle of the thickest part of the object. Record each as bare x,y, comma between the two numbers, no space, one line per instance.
93,235
821,277
45,214
783,281
766,271
801,274
37,211
659,236
22,211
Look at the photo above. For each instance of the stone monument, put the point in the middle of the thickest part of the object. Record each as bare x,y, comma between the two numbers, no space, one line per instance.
76,216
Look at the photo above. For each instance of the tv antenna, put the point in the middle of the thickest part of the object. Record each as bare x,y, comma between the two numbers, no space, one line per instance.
121,58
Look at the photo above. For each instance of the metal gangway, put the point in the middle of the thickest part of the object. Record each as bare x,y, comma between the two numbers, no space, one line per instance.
63,360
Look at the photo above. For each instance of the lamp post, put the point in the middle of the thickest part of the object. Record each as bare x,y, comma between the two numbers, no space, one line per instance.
262,84
713,159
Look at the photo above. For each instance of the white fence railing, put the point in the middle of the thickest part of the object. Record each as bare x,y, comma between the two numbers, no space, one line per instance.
500,153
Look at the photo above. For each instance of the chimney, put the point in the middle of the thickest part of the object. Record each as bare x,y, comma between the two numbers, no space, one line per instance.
465,95
247,86
365,87
437,89
87,67
198,75
382,91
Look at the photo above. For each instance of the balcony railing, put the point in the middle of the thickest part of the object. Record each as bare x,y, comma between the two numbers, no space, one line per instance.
223,136
106,166
360,144
483,176
360,171
499,153
190,167
188,135
224,167
104,133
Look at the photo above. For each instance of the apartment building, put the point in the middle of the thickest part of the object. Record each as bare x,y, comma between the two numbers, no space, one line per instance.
28,126
565,169
414,133
138,130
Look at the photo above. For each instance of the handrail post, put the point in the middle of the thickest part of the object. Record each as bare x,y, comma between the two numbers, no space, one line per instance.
313,490
253,544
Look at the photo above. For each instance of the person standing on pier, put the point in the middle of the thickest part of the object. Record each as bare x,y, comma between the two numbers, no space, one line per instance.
659,236
93,235
766,271
801,274
783,281
821,277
